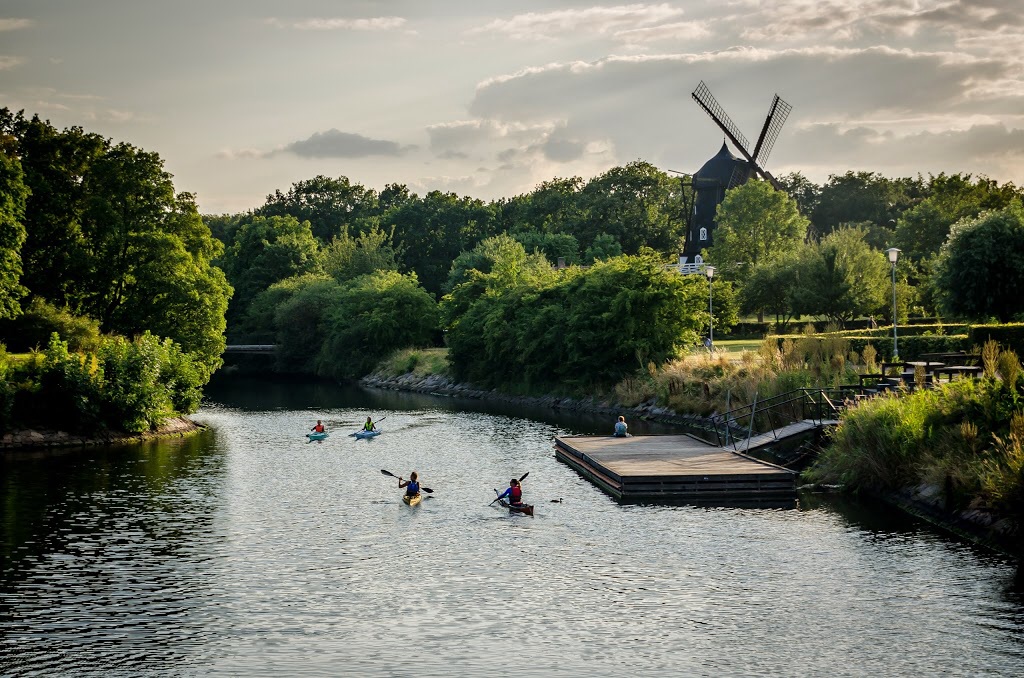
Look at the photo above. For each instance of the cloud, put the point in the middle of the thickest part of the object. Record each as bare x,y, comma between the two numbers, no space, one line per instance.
15,24
680,31
382,23
9,62
592,20
337,144
478,138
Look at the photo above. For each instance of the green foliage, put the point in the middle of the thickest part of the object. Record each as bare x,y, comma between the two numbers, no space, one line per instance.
605,246
552,245
432,231
857,197
771,286
109,239
420,362
33,328
980,270
130,386
334,329
330,206
347,257
373,316
573,328
755,223
264,251
1009,336
13,196
841,278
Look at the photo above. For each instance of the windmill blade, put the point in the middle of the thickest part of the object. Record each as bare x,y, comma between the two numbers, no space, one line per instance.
777,115
702,95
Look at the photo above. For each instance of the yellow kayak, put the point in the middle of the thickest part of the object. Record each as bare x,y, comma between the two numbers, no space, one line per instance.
412,500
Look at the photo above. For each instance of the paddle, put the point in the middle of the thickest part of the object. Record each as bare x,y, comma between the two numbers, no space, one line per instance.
521,479
353,435
389,473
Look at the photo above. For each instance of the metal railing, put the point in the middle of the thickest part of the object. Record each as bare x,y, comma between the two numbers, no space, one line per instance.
817,405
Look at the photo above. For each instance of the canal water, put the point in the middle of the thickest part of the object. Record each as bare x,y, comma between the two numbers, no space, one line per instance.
247,551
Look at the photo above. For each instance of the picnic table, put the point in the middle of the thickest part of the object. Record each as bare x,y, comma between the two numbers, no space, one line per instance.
963,370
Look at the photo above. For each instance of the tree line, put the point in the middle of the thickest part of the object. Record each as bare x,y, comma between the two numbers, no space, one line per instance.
96,241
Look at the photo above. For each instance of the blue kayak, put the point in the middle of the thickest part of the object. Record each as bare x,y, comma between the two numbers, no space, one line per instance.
366,434
317,436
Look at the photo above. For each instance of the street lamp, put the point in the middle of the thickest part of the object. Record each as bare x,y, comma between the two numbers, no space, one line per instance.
709,271
894,254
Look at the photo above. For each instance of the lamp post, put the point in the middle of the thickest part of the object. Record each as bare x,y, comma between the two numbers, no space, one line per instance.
709,271
894,254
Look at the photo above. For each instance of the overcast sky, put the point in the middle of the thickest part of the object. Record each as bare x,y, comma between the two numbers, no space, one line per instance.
490,97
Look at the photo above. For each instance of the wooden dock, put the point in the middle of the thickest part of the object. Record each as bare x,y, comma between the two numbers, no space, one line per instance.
675,468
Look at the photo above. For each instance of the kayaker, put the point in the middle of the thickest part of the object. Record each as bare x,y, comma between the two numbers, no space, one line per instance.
370,426
412,486
319,428
620,428
514,492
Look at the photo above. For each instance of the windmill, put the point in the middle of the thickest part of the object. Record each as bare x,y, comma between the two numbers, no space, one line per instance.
725,171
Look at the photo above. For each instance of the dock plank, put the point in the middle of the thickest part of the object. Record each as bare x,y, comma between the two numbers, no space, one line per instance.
677,467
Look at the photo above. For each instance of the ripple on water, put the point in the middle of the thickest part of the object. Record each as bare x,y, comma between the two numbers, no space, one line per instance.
247,551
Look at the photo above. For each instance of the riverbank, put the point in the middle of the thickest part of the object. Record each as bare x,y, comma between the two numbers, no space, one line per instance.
439,385
925,501
36,439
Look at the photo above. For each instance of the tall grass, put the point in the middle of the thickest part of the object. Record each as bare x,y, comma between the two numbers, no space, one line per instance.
420,362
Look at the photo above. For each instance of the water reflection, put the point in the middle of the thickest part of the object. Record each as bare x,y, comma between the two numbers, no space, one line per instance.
247,551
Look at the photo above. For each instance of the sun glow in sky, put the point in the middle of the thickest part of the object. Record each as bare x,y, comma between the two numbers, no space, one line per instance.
490,97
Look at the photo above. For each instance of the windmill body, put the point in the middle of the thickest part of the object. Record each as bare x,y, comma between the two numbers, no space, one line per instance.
725,171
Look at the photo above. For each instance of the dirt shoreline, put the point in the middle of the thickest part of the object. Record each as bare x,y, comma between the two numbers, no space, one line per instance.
37,439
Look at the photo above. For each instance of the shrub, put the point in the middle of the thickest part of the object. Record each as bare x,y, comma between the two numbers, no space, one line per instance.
41,319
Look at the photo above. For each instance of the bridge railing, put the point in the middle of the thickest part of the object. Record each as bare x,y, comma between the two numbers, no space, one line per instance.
771,414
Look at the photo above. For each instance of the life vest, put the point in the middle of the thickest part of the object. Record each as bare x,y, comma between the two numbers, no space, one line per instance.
368,426
319,428
412,488
515,496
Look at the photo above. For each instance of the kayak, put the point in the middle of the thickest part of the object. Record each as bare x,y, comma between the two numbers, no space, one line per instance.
525,509
317,436
412,500
366,434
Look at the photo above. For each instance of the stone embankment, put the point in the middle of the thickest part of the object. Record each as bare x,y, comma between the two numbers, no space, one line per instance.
435,384
30,439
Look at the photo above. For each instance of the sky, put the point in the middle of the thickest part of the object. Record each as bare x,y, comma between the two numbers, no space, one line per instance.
489,98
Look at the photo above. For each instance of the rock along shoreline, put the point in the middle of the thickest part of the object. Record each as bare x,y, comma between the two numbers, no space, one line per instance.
30,440
435,384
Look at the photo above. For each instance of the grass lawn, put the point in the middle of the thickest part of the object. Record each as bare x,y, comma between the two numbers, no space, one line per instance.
737,345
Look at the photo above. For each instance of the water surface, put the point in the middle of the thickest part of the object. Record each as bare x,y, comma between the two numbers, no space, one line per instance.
247,551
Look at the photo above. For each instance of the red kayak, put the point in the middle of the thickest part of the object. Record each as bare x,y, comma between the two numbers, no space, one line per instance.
525,509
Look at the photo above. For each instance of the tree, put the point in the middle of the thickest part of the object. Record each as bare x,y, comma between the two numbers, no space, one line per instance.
922,229
266,250
431,232
857,197
347,257
55,163
329,205
980,270
755,223
638,204
13,196
770,285
802,190
841,278
605,246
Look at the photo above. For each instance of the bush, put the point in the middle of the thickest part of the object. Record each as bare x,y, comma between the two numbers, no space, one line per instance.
1008,336
33,328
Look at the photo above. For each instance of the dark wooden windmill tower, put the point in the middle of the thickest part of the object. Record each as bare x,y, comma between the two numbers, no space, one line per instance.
725,171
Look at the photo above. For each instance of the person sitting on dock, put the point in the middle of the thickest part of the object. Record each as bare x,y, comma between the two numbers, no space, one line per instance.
514,492
369,425
412,486
620,428
319,428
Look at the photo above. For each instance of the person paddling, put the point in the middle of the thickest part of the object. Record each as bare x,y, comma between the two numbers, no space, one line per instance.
514,492
412,486
319,428
369,425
